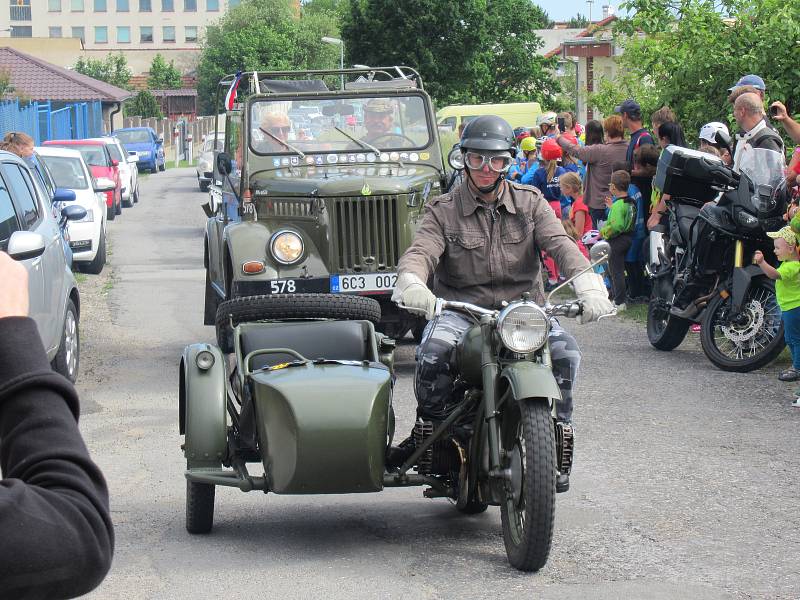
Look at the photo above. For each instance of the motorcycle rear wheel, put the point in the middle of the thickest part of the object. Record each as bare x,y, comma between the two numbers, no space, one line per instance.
760,333
665,331
529,507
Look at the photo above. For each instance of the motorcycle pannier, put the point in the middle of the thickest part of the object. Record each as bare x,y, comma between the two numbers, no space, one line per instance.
690,175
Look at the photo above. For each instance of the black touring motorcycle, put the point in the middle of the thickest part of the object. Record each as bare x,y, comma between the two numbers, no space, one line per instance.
701,265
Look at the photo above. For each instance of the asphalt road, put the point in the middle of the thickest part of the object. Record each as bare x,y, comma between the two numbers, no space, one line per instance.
685,484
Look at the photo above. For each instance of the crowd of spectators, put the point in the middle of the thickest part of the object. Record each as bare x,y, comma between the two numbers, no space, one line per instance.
600,181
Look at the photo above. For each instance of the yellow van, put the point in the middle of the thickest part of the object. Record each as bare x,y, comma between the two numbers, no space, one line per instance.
518,114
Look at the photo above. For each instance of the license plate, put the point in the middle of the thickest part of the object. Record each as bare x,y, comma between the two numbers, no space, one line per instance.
366,283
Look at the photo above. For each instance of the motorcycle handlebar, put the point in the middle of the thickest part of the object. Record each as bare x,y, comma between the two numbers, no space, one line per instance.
569,310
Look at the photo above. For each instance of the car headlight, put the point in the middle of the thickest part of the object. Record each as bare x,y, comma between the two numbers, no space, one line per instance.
286,247
523,327
89,218
144,153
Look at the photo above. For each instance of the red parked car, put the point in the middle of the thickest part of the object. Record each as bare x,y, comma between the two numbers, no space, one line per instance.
101,164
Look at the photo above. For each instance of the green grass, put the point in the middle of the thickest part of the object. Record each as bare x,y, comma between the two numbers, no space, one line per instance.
80,278
635,312
181,165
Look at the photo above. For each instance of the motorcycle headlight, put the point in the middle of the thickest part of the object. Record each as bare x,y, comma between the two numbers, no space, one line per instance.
746,219
89,218
286,247
523,327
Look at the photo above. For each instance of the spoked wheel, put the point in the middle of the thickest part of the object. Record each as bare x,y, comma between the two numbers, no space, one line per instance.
529,508
749,340
665,331
199,507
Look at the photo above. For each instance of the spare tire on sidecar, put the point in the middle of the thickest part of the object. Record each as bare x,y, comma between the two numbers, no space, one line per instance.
306,390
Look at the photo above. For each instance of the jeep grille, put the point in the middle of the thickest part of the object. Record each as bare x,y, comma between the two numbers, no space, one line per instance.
364,232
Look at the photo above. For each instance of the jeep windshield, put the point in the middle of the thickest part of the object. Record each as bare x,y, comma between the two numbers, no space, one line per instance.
365,125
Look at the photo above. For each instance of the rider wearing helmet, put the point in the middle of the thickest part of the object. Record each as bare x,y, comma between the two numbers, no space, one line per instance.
547,123
480,243
708,139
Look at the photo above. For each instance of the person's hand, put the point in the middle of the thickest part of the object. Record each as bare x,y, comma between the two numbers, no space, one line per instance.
608,200
758,257
14,289
780,111
411,293
593,296
653,220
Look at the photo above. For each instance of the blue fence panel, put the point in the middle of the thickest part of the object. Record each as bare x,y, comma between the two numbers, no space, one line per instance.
49,121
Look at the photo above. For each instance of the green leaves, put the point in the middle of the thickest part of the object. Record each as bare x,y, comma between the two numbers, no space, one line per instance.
144,105
163,76
113,69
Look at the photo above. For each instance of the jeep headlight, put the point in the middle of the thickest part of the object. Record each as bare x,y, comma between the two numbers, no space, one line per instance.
286,247
523,327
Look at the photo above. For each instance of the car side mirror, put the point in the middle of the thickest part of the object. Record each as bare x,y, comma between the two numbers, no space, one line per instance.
114,162
73,212
63,195
23,245
224,165
133,160
104,184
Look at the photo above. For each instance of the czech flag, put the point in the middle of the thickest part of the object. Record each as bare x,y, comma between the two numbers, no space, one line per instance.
230,97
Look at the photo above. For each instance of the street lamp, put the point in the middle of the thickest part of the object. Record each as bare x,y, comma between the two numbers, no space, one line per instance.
340,43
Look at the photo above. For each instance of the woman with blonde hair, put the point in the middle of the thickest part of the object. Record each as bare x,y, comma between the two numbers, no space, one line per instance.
19,143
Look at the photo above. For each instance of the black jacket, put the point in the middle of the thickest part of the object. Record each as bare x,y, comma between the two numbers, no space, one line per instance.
56,537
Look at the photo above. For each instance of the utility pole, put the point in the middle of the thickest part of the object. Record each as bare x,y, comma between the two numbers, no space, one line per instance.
590,2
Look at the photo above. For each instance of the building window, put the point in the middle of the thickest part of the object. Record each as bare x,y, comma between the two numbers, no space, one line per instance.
20,10
146,35
212,5
76,5
124,35
54,5
190,33
55,31
145,6
21,31
123,5
167,5
101,35
80,33
168,34
189,5
100,5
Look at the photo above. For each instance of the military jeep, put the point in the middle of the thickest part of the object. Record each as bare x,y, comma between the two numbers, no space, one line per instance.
321,185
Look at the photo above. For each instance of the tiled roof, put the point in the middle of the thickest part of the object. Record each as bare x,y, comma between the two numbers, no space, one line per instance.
588,32
40,80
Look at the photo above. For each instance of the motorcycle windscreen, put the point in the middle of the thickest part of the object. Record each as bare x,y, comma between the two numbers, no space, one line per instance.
323,427
765,168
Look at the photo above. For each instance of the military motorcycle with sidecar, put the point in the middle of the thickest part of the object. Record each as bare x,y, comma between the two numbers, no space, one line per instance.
303,385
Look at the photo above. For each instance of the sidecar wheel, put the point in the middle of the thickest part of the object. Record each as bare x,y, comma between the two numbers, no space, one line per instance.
528,510
199,507
291,306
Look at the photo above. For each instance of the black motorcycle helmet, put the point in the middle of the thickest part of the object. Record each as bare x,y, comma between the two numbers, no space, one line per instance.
488,133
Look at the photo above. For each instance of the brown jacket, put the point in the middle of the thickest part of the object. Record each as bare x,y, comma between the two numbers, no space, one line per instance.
484,257
599,160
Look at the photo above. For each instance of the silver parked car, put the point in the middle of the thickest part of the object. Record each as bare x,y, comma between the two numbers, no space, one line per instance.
31,232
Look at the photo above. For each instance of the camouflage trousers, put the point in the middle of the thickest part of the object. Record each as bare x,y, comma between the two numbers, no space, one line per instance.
435,377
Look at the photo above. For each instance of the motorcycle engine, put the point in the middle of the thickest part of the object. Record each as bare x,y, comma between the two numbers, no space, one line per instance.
444,457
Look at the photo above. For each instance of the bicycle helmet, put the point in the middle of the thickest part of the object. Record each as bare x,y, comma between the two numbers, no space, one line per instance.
548,118
591,237
527,144
709,131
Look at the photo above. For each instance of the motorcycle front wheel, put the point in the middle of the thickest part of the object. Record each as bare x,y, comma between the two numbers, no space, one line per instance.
529,508
749,340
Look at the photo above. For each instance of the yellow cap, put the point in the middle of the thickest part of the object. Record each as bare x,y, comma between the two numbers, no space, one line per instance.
784,233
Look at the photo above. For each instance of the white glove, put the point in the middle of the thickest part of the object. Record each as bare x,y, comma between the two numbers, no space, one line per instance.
593,296
411,293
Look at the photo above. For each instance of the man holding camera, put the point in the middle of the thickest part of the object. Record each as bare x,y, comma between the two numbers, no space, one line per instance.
748,110
55,526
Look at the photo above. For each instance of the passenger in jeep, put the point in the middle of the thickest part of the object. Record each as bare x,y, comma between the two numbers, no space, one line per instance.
274,130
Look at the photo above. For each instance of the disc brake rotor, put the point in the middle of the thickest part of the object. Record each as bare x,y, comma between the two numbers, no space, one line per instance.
753,317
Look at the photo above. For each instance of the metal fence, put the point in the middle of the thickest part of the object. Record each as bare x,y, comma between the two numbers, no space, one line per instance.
52,120
197,128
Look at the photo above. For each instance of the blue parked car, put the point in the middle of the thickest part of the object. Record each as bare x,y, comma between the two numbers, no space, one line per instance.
148,145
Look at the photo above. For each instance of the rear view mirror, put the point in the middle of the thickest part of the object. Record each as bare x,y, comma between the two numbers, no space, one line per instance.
63,195
456,159
723,139
73,212
341,108
104,184
23,245
600,251
224,163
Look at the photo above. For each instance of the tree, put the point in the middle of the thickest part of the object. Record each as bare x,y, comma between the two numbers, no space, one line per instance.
687,53
6,88
144,105
579,21
263,35
163,76
468,51
113,69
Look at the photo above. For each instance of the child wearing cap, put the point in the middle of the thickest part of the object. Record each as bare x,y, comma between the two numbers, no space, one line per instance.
787,292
